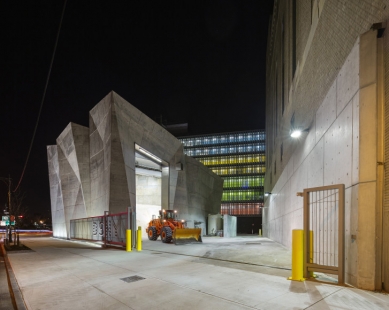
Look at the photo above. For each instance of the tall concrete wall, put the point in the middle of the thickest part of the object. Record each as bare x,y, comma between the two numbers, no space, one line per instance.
57,209
318,78
302,65
340,147
202,190
108,177
73,159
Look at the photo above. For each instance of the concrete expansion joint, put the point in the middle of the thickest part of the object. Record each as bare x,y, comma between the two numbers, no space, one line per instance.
209,294
336,291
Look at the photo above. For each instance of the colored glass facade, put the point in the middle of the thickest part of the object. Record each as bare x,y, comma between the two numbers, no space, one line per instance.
238,158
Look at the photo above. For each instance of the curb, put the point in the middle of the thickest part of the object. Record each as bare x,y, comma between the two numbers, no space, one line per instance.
14,290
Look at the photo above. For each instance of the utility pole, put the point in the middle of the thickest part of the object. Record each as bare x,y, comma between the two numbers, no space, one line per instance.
9,193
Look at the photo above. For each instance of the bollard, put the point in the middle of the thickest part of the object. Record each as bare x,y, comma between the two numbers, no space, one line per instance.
139,239
297,255
260,232
128,240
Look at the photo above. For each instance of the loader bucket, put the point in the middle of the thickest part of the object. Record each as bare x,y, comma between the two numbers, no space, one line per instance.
187,235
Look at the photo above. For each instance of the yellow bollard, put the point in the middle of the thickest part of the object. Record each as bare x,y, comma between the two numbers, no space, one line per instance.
139,239
297,255
260,232
128,240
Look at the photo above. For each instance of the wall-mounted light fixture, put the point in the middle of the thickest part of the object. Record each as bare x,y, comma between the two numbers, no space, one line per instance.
267,194
149,155
297,132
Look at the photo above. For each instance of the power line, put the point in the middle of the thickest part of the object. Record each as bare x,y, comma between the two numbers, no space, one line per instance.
43,97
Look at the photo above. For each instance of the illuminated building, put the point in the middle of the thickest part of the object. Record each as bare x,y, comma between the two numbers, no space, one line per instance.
239,158
124,159
328,76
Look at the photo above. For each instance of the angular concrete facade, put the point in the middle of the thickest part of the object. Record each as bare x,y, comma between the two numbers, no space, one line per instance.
93,169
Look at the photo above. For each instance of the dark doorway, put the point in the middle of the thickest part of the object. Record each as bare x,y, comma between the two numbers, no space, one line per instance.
249,224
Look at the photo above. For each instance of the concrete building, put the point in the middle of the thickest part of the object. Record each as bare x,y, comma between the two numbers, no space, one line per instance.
124,159
328,74
239,159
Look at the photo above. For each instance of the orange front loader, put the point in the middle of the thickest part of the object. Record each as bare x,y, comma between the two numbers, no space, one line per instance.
169,228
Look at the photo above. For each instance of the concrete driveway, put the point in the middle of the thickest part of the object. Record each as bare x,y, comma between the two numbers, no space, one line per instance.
236,273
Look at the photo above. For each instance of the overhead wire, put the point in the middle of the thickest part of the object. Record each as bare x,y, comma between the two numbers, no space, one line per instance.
43,98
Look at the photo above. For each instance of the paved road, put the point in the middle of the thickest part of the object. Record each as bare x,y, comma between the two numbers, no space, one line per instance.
61,274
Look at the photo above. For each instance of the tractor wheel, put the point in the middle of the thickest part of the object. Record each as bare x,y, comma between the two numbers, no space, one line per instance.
152,233
166,234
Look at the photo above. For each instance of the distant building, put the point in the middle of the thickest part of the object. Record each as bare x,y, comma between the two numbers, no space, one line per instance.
239,158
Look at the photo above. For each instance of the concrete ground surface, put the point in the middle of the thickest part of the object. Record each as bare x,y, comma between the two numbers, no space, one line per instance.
235,273
5,297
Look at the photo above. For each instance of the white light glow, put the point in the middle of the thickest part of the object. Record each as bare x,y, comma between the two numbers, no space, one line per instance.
150,155
295,133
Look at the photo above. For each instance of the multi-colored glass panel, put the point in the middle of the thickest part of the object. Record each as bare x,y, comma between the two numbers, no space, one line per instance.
238,170
242,208
224,138
230,160
243,182
239,158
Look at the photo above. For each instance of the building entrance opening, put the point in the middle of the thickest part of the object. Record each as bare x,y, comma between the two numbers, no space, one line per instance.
150,170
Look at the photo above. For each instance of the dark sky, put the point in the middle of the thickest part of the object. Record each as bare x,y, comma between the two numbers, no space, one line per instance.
201,62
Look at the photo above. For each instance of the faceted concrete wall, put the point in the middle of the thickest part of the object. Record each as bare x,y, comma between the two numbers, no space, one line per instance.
109,190
73,159
57,210
340,147
107,165
197,193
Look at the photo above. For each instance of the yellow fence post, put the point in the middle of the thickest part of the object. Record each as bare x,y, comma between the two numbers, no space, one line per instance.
139,239
128,240
297,255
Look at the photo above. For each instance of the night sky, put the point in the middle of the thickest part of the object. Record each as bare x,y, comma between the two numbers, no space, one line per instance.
201,62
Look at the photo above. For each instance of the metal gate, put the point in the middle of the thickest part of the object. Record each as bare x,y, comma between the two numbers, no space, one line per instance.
324,230
110,228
